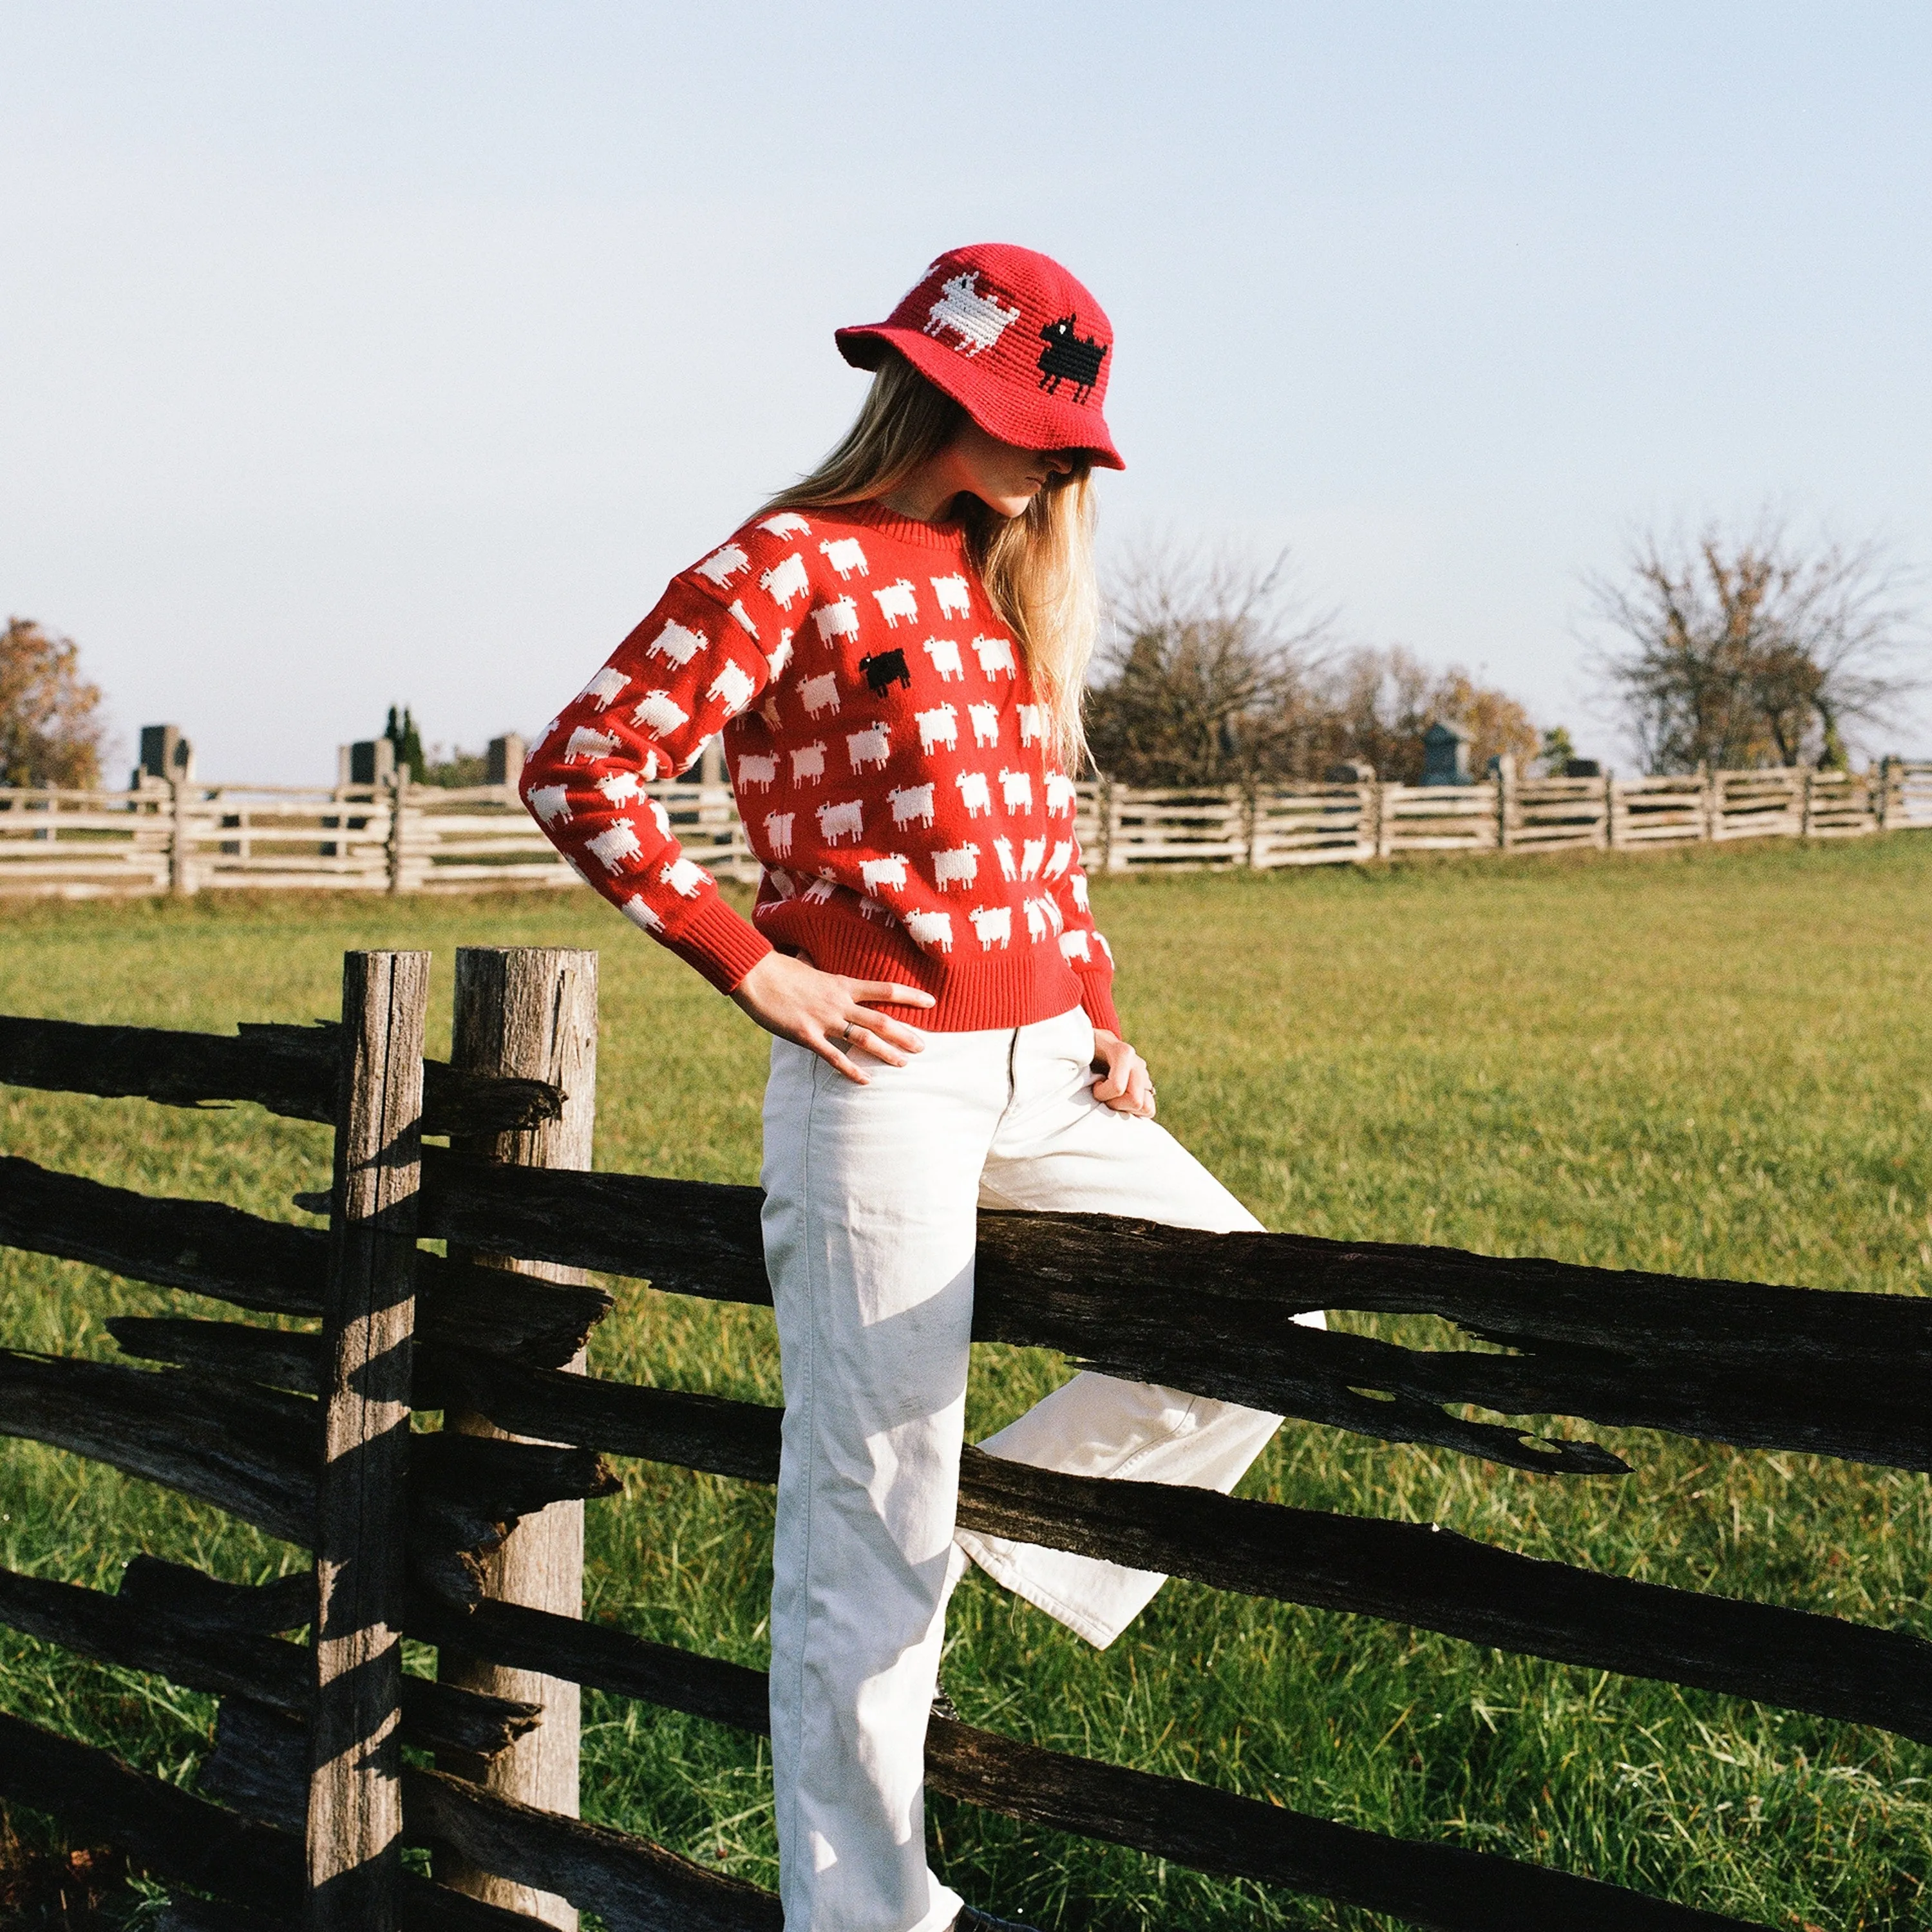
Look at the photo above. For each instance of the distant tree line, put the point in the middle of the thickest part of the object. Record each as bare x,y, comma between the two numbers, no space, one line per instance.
1734,652
1214,674
1722,650
1726,651
52,729
453,767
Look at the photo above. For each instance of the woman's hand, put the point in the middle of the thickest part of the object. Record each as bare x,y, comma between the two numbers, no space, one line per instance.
1120,1076
825,1012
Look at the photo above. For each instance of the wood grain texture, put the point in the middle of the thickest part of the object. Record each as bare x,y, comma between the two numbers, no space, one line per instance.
187,1841
251,1451
289,1070
166,1830
529,1013
1440,1886
362,1500
1407,1573
136,1629
190,1596
632,1884
279,1357
1760,1366
273,1267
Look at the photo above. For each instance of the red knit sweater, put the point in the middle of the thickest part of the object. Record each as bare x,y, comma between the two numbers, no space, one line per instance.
891,764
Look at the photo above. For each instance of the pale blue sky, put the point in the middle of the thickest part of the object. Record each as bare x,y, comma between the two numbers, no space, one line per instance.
356,352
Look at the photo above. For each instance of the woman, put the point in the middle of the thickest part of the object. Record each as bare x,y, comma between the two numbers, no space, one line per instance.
894,651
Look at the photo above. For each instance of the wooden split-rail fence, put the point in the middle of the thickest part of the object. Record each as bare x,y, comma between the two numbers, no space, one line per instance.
184,838
468,1537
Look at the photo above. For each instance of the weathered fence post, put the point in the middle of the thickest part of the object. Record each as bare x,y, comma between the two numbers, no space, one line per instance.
399,790
1884,793
1110,828
354,1802
530,1012
1506,805
181,873
1608,842
1385,819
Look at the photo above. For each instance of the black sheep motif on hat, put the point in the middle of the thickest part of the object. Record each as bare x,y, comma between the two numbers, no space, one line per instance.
1069,357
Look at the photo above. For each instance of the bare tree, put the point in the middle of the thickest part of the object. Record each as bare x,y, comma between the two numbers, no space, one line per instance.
1201,673
1741,651
1371,707
51,729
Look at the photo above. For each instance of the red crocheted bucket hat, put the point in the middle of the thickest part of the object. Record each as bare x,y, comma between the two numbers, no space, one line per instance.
1010,336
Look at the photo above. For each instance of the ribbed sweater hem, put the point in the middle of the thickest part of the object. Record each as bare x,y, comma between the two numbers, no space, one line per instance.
1012,987
723,946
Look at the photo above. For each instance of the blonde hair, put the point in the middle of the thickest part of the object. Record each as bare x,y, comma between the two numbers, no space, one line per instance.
1038,567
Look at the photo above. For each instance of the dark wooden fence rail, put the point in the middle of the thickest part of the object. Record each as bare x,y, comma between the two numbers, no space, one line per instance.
305,1432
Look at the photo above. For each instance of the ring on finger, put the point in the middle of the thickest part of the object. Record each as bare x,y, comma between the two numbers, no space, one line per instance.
848,1036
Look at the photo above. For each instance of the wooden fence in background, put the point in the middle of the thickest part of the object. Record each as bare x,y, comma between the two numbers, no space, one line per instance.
467,1537
417,838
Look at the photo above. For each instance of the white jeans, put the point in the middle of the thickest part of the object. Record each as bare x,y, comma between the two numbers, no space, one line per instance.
871,1194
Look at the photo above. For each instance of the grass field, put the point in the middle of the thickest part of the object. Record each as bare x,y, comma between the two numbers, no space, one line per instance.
1712,1062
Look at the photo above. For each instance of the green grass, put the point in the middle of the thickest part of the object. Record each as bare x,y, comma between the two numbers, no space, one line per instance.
1713,1063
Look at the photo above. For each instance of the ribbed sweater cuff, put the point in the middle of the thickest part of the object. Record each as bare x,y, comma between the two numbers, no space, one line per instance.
721,945
1096,1000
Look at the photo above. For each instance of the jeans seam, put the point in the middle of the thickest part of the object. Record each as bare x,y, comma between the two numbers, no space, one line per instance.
810,1392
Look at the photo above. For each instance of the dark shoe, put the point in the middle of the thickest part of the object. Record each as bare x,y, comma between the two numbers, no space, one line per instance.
942,1706
970,1920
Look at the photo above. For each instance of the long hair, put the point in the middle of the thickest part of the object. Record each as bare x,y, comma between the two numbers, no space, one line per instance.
1038,567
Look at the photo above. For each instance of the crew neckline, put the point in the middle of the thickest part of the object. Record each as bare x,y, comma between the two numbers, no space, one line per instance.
949,536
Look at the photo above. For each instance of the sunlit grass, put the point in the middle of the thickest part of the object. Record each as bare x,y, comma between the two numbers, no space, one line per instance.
1712,1064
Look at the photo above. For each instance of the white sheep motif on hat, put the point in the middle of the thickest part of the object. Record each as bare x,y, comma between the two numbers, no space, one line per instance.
978,320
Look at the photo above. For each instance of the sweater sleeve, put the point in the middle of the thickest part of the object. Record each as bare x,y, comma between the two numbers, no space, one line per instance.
1081,942
675,681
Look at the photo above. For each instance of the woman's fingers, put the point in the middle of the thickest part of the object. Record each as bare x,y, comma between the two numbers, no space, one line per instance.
901,1035
889,992
865,1033
1126,1085
828,1051
1121,1061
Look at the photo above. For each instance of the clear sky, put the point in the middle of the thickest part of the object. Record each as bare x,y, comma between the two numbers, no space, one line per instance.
351,353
